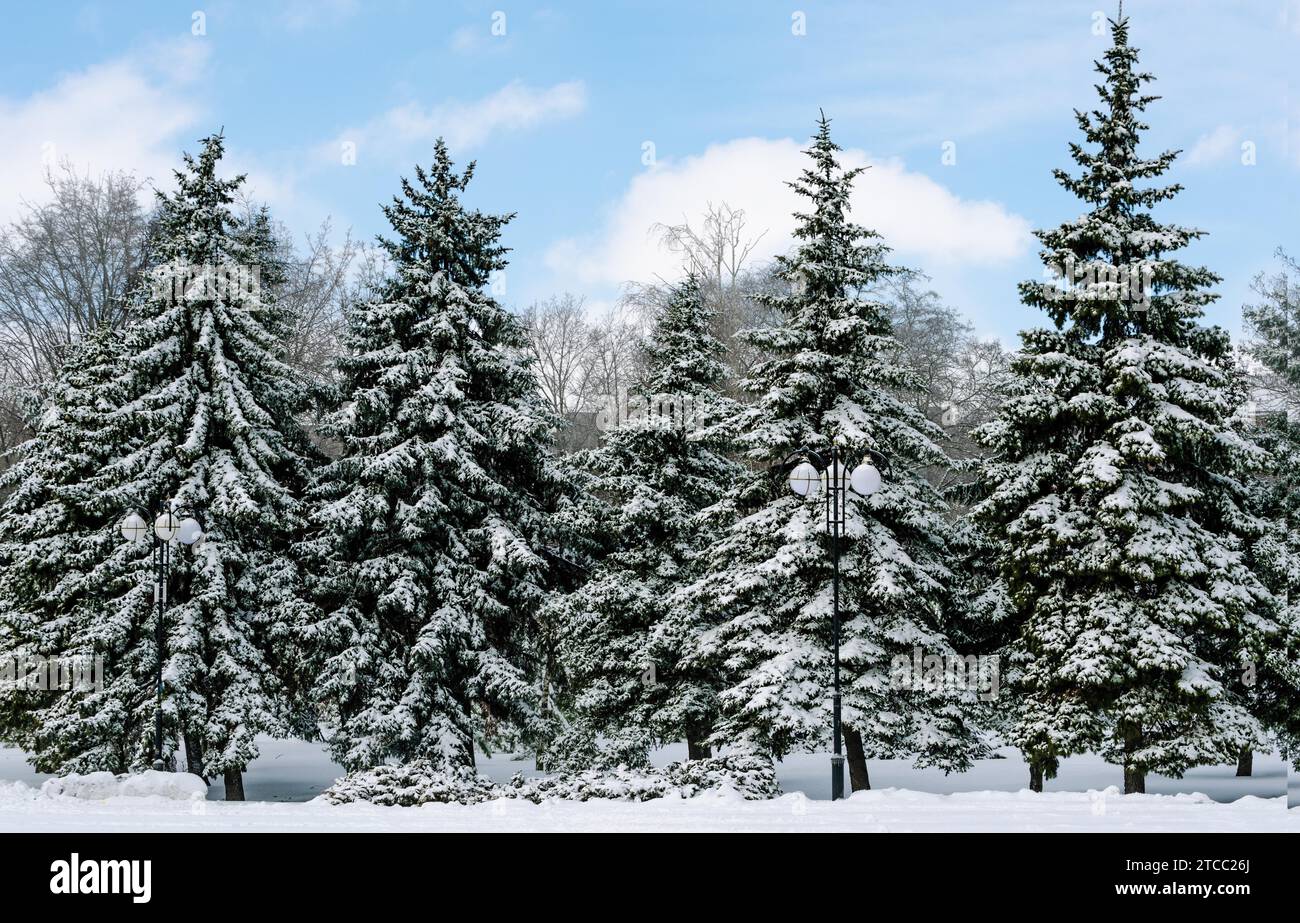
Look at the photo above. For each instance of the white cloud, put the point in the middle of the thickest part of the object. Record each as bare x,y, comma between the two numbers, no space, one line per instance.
137,114
1214,146
921,219
132,113
514,107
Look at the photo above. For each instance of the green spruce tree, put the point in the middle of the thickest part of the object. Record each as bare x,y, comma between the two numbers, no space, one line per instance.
1274,325
76,611
764,605
1117,483
208,409
430,532
652,485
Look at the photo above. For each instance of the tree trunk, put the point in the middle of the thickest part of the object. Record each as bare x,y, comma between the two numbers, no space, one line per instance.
234,785
194,756
859,781
1135,779
697,747
469,723
544,745
1245,762
1035,776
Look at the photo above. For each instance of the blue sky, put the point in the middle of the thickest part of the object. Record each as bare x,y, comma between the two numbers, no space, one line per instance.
558,112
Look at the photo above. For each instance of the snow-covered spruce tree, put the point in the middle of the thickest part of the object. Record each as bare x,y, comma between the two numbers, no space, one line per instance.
71,590
209,407
1117,482
1274,324
651,484
764,606
301,401
430,531
1274,694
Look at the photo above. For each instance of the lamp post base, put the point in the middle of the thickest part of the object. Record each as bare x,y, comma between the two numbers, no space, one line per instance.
837,777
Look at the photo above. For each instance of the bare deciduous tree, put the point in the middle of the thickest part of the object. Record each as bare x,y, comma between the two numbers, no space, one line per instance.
315,283
562,344
963,379
616,360
1272,349
721,253
719,250
67,266
318,284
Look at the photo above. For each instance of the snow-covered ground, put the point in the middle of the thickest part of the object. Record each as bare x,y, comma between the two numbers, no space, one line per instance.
293,770
989,797
886,810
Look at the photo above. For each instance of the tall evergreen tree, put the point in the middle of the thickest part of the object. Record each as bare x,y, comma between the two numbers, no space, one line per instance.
1273,695
72,592
430,530
208,405
652,483
1117,481
765,603
1274,325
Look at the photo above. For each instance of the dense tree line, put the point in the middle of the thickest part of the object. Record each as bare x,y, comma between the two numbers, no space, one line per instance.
398,559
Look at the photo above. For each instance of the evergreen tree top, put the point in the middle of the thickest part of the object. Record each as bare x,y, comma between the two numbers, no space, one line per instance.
194,221
1116,127
437,234
834,368
255,235
837,258
1117,247
682,356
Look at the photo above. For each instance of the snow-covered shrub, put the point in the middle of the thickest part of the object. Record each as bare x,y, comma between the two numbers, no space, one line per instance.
753,777
418,782
96,786
578,750
621,784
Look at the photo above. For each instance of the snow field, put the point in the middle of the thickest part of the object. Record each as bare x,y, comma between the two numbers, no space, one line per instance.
289,773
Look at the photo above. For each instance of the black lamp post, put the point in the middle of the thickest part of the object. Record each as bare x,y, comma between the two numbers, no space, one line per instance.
811,473
172,523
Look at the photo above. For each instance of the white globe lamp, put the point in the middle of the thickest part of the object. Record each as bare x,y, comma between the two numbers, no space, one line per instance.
166,526
805,480
188,531
865,479
134,528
